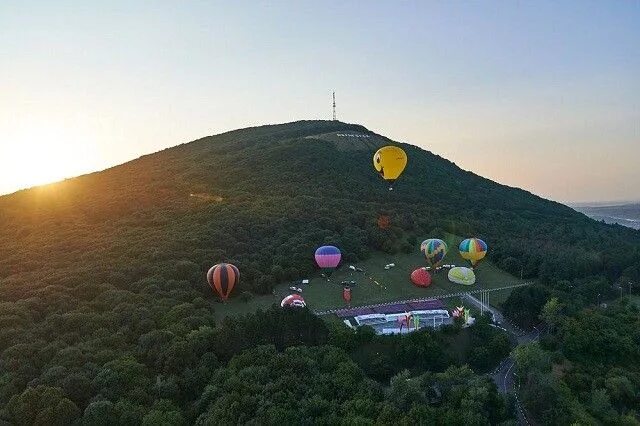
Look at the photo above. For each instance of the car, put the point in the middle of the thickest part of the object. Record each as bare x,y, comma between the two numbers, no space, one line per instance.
294,288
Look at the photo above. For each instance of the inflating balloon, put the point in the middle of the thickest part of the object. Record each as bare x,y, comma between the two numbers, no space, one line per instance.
222,278
473,250
434,250
346,294
293,301
390,162
421,277
461,275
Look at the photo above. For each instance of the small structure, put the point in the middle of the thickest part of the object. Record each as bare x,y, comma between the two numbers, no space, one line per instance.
399,318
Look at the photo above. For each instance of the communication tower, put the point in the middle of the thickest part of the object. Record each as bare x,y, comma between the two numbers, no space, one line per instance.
334,106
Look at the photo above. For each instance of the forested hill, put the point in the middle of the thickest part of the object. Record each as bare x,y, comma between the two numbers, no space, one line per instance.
264,198
105,316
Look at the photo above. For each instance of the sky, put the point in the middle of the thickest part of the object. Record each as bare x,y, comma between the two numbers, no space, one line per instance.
542,95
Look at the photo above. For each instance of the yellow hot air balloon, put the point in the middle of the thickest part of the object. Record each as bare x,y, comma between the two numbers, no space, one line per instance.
390,162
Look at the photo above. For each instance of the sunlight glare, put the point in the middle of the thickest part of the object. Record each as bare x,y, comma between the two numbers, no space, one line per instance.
37,156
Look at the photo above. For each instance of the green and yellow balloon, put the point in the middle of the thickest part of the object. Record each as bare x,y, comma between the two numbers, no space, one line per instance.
473,250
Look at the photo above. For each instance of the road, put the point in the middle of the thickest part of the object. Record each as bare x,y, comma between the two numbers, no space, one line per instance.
504,375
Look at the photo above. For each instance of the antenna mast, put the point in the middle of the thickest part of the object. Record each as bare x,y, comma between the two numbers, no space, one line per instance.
334,106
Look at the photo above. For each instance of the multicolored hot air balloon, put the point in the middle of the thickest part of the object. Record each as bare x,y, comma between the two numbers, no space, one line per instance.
222,278
421,277
390,162
328,258
293,301
473,250
434,250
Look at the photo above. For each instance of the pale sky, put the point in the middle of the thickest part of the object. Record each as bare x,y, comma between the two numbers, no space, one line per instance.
539,95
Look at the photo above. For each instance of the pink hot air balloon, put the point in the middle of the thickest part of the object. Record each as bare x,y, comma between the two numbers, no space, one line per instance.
328,258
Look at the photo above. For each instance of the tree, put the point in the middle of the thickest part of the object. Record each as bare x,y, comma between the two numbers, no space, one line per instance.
100,413
531,359
42,405
551,313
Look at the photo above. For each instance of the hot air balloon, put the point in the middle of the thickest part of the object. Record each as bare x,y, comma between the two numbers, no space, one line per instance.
421,277
461,275
473,250
390,161
346,294
434,250
222,278
384,221
328,258
293,301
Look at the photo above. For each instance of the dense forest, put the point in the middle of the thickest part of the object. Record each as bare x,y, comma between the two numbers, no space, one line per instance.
107,319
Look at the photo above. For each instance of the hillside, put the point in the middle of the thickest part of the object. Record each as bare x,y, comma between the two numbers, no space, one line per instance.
105,272
266,197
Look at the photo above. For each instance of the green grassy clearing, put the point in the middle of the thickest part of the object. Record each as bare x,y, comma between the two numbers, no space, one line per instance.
377,285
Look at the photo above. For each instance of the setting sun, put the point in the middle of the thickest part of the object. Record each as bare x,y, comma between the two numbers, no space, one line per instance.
43,155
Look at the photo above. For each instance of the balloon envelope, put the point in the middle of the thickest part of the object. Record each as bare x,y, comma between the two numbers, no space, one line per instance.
461,275
421,277
473,250
390,162
434,250
293,300
222,278
328,257
346,294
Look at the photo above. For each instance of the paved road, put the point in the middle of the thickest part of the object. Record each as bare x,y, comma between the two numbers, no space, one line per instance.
504,374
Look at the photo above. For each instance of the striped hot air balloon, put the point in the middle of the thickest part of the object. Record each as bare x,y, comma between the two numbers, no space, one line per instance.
473,250
222,278
328,258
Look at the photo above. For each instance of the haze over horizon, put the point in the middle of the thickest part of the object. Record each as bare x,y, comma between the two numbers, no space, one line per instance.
541,96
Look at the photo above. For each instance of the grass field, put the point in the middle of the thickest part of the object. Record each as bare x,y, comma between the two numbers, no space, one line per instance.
377,285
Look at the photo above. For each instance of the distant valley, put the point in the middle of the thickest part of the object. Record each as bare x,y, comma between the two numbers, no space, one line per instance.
624,214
